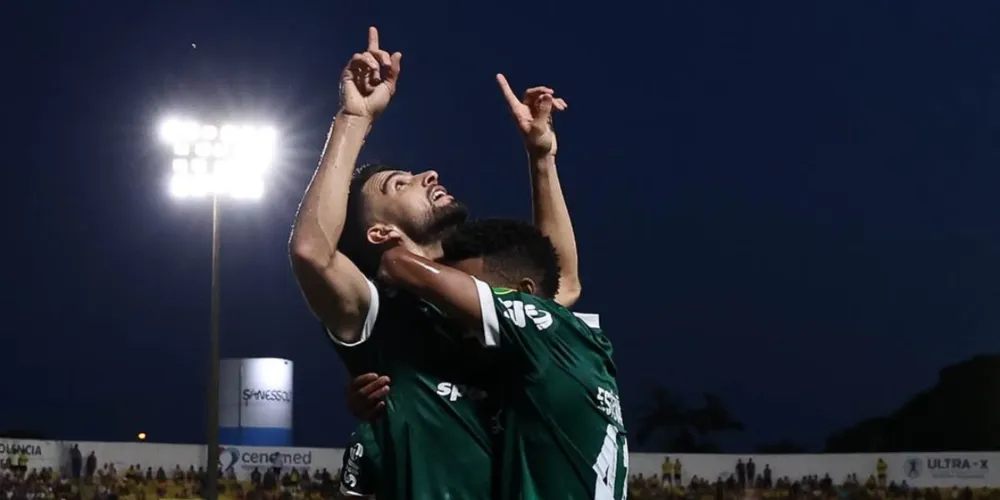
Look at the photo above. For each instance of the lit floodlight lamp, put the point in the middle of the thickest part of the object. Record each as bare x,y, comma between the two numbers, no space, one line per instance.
209,132
229,159
203,149
169,130
217,160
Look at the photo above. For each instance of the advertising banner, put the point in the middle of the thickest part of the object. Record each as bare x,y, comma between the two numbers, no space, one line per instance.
255,401
39,453
917,469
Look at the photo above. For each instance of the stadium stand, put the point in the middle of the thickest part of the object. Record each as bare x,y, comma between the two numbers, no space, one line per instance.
139,483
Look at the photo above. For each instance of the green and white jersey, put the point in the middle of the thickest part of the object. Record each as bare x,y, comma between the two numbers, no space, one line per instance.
432,439
563,431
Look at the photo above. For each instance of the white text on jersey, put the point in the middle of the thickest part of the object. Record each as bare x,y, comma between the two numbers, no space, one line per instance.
608,402
518,312
455,391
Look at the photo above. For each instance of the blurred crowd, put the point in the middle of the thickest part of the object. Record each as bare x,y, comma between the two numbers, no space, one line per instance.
745,481
810,487
85,479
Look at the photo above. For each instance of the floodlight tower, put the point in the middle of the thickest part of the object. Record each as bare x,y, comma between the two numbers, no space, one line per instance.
217,161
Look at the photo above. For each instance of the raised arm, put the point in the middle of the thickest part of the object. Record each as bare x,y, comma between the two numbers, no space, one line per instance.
337,292
533,116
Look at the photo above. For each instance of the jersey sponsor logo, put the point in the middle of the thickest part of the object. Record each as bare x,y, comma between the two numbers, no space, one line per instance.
609,403
352,469
519,313
454,392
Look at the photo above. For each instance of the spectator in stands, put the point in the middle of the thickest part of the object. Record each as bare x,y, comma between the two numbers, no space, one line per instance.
255,477
276,467
666,471
751,472
91,465
22,463
75,461
880,469
677,472
768,480
270,480
741,473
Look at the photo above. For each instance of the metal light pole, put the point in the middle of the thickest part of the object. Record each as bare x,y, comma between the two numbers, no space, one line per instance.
216,161
212,484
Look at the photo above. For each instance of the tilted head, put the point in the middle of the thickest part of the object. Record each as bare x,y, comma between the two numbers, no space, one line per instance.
505,253
386,205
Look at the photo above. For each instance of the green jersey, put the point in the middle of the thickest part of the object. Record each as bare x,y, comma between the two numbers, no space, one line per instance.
432,438
361,465
563,431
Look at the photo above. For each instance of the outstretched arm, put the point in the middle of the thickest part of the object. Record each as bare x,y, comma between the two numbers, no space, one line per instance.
533,116
337,292
453,291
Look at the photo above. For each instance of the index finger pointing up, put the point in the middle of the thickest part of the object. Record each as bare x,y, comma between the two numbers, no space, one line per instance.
372,39
508,94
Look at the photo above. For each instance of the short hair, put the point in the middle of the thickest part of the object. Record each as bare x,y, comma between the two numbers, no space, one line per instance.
354,237
511,249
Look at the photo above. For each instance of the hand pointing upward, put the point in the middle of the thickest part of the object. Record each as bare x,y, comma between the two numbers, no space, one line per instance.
369,80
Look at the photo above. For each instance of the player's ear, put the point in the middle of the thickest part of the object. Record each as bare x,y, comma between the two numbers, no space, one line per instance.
527,285
380,234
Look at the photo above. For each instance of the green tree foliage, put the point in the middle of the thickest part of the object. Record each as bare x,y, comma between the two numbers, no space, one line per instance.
668,424
960,412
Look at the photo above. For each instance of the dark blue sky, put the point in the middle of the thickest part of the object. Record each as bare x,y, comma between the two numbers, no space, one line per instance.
792,204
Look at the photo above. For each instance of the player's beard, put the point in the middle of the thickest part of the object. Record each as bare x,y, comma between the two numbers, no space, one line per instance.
436,223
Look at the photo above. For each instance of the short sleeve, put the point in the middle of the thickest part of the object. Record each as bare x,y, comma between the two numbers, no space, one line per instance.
590,319
370,317
509,314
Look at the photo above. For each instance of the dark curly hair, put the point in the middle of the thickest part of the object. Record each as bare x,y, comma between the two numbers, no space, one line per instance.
511,250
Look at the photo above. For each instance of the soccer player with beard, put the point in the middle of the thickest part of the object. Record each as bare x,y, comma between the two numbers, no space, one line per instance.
432,441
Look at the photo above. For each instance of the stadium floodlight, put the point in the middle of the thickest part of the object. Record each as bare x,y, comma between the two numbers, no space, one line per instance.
217,160
212,160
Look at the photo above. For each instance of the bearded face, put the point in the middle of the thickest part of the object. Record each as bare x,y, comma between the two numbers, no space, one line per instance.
415,204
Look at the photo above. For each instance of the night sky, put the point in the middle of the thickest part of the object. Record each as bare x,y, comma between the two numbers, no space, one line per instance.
787,203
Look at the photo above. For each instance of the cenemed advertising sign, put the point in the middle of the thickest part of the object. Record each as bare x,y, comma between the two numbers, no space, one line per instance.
233,458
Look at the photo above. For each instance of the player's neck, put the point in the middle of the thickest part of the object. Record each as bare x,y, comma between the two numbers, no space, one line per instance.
431,250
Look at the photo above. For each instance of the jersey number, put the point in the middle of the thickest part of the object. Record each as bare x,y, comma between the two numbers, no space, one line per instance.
606,466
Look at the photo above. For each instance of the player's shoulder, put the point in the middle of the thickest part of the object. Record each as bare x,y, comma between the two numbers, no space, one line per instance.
542,311
512,298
